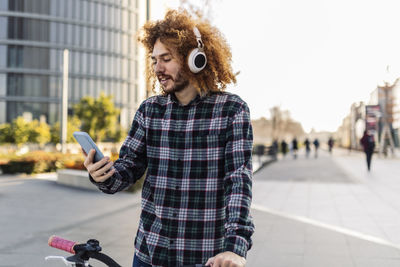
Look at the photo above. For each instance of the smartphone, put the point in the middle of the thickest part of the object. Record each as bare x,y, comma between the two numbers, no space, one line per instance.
87,144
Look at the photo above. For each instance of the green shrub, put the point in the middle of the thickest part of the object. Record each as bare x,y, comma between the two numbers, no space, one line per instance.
39,132
73,125
21,130
34,162
6,135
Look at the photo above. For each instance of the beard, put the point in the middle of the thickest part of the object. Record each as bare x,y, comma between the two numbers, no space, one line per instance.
180,83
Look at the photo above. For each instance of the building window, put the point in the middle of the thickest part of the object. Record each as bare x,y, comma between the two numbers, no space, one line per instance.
84,89
3,111
28,85
61,8
71,89
77,36
70,9
69,34
54,110
28,57
92,38
53,8
3,56
92,12
92,64
53,32
3,85
125,98
61,33
84,10
54,86
3,28
4,5
85,36
104,14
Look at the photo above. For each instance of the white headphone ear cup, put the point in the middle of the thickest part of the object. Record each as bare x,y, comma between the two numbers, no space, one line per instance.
197,60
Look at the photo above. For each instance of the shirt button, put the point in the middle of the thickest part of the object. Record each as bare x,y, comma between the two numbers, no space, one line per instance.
177,187
175,214
171,241
181,135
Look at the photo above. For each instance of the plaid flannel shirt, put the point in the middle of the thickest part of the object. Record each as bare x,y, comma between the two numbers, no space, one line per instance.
197,194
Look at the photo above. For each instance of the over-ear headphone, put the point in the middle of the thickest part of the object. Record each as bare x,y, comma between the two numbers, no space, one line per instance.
197,59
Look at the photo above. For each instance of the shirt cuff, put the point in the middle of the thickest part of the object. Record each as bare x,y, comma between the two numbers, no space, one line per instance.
237,245
102,185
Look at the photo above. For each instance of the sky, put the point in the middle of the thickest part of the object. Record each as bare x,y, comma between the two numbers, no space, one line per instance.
311,57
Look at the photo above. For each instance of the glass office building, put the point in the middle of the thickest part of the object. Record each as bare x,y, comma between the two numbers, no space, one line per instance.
103,55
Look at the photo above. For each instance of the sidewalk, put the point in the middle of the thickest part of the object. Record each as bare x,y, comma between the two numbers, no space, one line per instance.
327,211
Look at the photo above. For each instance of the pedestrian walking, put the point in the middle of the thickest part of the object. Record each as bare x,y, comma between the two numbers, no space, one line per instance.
316,146
284,147
294,148
195,141
274,147
368,143
307,145
330,144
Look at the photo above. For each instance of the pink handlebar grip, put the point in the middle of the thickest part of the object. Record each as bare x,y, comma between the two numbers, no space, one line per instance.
61,243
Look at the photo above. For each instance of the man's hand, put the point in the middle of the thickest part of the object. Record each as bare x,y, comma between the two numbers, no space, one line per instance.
100,171
226,259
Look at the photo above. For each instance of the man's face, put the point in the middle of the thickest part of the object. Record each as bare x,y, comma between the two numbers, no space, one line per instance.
167,68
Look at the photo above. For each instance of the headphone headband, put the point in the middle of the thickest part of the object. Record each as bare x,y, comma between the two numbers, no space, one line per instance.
198,37
197,59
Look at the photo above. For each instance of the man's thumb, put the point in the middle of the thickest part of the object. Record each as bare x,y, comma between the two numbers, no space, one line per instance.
210,262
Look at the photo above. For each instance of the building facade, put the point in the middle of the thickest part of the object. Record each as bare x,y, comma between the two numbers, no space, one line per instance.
103,55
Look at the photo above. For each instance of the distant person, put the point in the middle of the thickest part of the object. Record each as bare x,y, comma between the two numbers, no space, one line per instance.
294,148
284,147
330,144
368,143
259,151
274,152
316,146
307,145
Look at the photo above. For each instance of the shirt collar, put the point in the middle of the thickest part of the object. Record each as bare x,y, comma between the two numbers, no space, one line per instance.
193,102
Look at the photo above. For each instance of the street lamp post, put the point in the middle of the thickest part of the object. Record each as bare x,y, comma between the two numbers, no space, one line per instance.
64,101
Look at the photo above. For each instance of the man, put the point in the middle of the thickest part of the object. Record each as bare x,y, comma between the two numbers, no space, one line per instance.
307,144
195,142
368,143
294,147
330,144
316,146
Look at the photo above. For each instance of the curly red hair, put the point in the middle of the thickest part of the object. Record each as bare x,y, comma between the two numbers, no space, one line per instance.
176,31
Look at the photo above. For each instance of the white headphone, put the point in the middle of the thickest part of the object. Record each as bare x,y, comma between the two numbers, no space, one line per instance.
197,59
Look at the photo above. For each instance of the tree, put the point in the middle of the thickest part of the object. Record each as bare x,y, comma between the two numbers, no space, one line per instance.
73,125
21,130
282,124
39,132
6,135
97,115
116,134
201,8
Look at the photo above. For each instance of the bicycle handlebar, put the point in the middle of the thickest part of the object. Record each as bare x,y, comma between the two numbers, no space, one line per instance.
61,243
82,252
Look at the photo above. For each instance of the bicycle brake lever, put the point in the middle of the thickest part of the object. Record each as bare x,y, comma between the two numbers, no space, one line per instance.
66,262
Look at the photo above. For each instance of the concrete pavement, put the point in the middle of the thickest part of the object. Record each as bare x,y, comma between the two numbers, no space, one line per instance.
353,215
325,211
